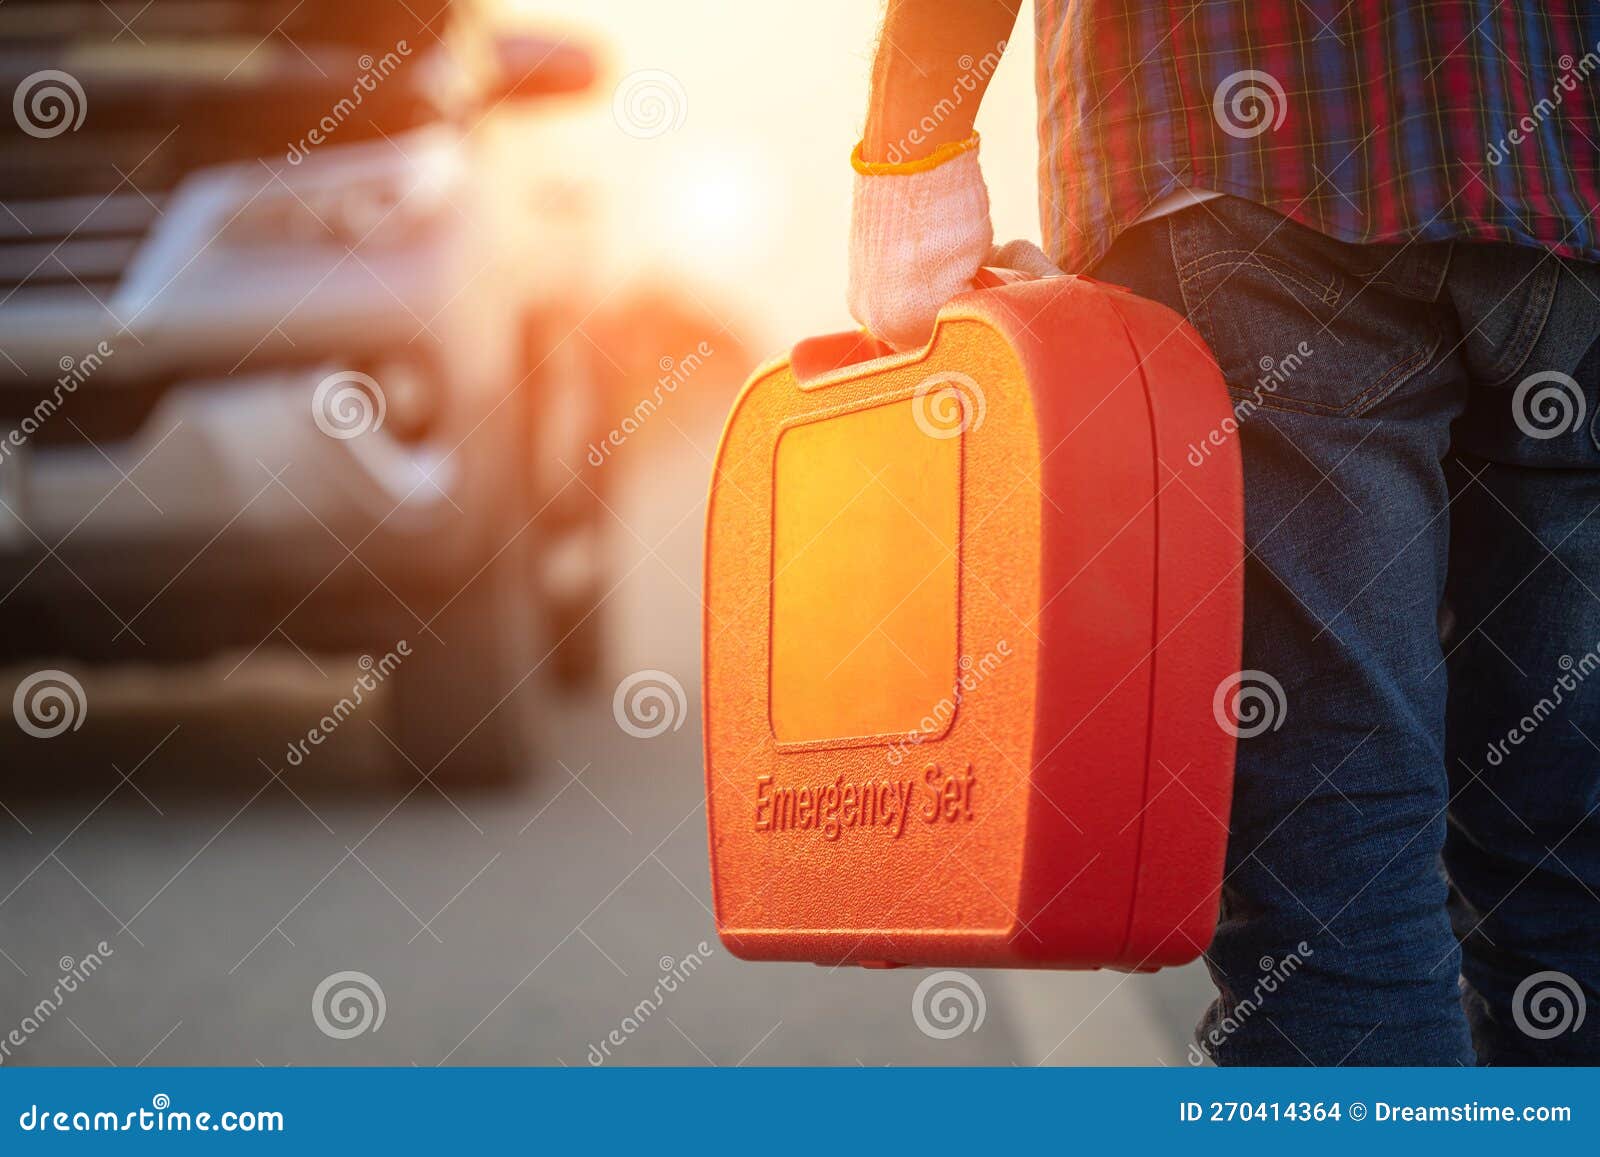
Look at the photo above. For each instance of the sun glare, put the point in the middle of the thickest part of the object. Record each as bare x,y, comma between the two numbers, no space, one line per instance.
720,209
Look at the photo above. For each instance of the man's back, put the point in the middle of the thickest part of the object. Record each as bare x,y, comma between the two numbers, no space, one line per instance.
1367,120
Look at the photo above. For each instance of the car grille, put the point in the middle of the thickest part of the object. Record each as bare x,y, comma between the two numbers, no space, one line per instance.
73,212
76,203
72,245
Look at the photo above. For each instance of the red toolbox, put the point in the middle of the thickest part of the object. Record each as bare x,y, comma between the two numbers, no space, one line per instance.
967,613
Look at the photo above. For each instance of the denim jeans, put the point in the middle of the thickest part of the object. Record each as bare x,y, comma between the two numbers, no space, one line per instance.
1414,852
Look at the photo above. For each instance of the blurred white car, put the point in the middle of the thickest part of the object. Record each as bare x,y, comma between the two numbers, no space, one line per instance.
285,354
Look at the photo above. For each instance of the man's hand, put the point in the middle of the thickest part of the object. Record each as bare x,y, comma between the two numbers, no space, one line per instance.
919,226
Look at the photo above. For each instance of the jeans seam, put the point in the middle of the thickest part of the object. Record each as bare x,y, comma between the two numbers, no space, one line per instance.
1199,315
1395,378
1328,294
1529,326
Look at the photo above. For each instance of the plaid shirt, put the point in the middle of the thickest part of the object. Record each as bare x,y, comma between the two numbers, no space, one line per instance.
1370,120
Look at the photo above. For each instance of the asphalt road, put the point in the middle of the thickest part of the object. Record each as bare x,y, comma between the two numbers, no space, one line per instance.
520,927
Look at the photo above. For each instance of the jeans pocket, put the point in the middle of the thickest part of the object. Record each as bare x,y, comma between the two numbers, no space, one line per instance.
1506,297
1291,324
1533,353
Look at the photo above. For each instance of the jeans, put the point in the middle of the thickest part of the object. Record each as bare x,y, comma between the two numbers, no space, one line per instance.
1413,871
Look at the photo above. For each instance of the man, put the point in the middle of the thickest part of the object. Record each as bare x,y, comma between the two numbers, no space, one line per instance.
1382,219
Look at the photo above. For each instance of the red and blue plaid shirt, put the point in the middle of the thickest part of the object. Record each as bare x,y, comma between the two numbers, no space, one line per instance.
1370,120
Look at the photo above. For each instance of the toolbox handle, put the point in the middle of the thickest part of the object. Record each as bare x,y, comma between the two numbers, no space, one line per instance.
994,276
815,358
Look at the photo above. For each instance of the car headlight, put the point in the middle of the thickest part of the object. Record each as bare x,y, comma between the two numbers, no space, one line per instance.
350,204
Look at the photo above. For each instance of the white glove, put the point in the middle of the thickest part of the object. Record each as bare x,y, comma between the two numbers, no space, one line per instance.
1024,257
919,231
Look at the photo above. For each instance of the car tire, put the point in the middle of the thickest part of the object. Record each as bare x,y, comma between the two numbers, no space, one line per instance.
577,632
570,493
464,700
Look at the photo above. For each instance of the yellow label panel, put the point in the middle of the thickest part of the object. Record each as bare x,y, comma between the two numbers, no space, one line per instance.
866,528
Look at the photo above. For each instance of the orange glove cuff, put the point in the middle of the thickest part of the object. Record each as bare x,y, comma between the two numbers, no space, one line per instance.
933,160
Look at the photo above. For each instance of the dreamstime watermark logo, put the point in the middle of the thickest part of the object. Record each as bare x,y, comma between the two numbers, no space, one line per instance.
373,673
373,73
348,404
49,703
947,1004
1249,102
673,374
48,103
73,974
74,372
649,703
1574,672
160,1117
1273,974
649,103
1249,703
1572,73
1547,1004
948,404
673,973
347,1004
973,672
974,76
1274,373
1548,404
